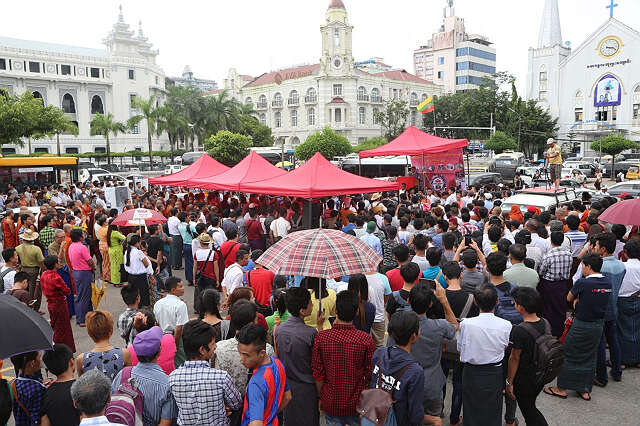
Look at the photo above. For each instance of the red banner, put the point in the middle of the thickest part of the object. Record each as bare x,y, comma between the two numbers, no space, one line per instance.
440,170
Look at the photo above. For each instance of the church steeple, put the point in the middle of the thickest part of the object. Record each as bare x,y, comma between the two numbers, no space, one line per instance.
550,31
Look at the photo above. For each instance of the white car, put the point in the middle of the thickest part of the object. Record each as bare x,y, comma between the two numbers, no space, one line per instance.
86,174
111,178
542,198
571,173
172,168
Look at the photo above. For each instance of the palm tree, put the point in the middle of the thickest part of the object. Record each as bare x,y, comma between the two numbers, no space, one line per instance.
222,112
171,121
102,124
148,111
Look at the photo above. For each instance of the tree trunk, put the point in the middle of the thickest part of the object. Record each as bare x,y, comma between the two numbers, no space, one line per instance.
29,145
58,142
108,151
171,143
150,147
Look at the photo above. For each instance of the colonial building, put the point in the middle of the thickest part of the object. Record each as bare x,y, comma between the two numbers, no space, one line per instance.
300,100
85,81
593,89
454,59
188,79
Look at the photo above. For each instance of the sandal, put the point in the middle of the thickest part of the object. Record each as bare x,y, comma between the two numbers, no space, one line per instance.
549,391
599,383
584,398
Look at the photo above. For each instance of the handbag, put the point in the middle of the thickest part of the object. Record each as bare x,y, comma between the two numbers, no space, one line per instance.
376,405
567,326
124,275
199,276
97,291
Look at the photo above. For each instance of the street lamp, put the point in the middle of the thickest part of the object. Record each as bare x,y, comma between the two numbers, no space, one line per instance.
519,125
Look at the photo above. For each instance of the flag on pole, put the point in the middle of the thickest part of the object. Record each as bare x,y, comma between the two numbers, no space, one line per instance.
426,106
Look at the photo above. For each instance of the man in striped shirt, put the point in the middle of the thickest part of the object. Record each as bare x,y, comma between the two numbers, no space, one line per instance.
577,238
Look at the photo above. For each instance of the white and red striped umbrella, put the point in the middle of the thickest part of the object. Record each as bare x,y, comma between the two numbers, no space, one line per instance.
138,217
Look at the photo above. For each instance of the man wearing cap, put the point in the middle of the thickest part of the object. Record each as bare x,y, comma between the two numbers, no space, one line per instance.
31,259
370,239
554,158
159,406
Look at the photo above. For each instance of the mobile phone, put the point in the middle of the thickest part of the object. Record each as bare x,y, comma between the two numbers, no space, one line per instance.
430,283
467,240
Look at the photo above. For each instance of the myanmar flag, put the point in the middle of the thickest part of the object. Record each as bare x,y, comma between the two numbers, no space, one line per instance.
426,106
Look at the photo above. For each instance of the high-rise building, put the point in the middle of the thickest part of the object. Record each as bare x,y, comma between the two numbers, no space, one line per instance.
188,79
454,59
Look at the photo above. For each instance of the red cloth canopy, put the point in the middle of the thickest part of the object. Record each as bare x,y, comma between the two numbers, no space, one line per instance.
204,166
319,178
252,168
414,141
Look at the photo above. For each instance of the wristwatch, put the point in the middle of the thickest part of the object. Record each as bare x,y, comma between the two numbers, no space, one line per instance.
508,383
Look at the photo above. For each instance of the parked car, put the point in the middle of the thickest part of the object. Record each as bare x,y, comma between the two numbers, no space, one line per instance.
631,187
568,173
632,173
110,177
86,174
587,169
172,168
485,179
507,163
543,198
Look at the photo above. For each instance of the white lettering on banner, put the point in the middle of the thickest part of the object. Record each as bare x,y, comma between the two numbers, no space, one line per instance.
35,169
142,214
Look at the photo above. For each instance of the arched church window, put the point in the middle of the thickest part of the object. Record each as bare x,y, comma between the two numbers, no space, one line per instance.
96,105
336,37
68,104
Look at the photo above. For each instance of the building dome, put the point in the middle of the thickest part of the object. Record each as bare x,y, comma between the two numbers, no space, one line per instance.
336,4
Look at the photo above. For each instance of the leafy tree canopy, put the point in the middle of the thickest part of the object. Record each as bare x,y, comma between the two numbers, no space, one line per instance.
370,144
327,142
21,116
260,135
228,148
499,142
613,144
393,118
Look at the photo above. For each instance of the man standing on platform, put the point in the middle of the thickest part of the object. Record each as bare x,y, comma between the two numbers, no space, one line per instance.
554,158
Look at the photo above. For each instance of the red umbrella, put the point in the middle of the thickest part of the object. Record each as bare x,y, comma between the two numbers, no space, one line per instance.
137,217
623,213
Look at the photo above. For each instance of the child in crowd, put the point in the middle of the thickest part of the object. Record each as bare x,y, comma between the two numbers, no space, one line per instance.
131,297
171,314
55,290
57,405
27,390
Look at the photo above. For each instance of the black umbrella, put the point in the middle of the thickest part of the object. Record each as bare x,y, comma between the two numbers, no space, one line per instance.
23,329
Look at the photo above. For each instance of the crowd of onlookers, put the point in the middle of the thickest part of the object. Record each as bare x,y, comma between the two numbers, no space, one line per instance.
464,290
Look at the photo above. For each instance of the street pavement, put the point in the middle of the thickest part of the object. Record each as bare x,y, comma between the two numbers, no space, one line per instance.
617,404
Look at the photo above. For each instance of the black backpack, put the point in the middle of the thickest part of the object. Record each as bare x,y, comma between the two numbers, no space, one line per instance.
548,355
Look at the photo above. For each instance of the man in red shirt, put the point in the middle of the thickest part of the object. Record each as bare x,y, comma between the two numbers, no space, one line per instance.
341,363
229,248
56,290
401,255
255,232
261,281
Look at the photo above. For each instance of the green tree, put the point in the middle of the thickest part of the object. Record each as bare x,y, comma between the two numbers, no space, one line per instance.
105,125
148,112
20,117
327,142
174,123
260,135
187,103
613,145
393,118
227,147
53,122
499,142
370,144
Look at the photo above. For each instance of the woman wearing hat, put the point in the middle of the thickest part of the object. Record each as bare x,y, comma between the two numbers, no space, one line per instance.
31,259
205,268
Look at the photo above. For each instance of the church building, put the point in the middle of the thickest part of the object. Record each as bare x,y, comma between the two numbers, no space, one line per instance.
593,89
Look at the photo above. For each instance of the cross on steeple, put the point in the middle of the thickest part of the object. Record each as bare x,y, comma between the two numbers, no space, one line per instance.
611,6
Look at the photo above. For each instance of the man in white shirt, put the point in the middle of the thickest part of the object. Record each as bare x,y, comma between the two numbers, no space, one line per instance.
216,232
280,227
544,244
171,313
452,198
176,239
56,197
379,292
233,274
482,342
101,201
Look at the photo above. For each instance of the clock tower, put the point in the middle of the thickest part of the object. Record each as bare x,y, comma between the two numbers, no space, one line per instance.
337,57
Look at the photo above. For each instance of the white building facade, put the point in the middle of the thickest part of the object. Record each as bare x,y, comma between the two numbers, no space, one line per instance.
454,59
188,79
594,89
298,101
83,82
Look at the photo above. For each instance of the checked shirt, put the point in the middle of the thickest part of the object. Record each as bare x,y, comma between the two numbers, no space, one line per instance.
556,265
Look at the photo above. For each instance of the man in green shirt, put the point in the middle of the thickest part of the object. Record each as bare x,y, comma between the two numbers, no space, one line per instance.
32,261
518,274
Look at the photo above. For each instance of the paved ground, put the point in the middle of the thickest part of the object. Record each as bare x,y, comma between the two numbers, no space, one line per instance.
617,404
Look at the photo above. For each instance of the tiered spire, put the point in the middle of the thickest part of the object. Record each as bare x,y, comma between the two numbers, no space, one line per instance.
550,31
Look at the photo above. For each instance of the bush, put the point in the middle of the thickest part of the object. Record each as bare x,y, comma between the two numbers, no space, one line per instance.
499,142
228,148
370,144
327,142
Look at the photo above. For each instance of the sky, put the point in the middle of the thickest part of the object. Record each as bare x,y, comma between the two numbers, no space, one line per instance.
256,36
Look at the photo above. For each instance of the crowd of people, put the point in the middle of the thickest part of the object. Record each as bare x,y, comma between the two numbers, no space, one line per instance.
464,289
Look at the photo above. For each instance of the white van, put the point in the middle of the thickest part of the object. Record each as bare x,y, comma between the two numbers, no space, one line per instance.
172,168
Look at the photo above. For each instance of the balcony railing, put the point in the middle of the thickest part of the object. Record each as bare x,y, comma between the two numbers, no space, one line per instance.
376,99
310,99
261,105
363,98
276,104
293,101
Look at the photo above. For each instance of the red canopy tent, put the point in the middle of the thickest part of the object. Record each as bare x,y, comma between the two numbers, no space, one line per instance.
414,141
204,166
253,168
318,178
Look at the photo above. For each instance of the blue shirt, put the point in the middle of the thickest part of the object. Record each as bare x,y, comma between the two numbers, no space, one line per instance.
437,241
30,392
372,241
187,238
614,270
431,274
268,383
348,227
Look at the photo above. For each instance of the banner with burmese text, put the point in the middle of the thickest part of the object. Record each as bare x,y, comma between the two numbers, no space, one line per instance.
440,170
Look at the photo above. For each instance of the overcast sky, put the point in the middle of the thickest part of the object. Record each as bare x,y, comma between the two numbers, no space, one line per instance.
256,36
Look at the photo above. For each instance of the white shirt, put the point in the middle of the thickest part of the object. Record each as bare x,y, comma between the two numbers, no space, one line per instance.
101,203
98,421
8,278
543,244
172,224
534,253
232,277
218,236
452,199
378,288
56,198
280,227
421,261
483,339
170,313
631,280
135,267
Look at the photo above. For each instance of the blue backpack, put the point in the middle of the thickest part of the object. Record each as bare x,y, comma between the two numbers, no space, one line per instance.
506,307
403,305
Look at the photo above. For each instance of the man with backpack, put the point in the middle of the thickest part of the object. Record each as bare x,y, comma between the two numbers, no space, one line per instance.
523,382
90,393
399,298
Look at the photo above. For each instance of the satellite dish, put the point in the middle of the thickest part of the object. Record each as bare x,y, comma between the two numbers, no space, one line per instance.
567,43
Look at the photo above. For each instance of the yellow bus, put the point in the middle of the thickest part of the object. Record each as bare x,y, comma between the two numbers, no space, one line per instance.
36,171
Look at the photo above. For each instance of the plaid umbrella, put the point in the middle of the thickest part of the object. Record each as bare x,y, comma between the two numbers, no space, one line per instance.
321,253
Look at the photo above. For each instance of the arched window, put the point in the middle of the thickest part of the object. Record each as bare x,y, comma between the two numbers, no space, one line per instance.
294,98
37,95
375,113
311,116
413,99
424,97
294,118
277,118
542,84
362,94
375,95
311,96
414,117
338,115
248,101
96,105
262,101
263,119
637,89
294,141
277,100
362,118
68,104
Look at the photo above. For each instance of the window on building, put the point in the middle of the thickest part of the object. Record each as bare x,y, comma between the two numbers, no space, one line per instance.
375,95
423,97
311,95
337,90
637,89
338,115
294,118
68,104
636,111
375,115
96,105
65,69
132,74
470,51
37,95
414,117
262,101
95,72
542,96
263,119
156,79
71,150
578,115
395,93
336,37
248,101
440,74
135,130
3,64
41,149
34,66
413,99
294,98
100,149
6,151
441,60
362,115
277,100
132,97
311,116
362,94
277,119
